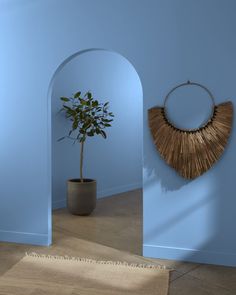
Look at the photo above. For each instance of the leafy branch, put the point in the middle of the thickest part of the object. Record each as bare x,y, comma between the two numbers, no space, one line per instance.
88,118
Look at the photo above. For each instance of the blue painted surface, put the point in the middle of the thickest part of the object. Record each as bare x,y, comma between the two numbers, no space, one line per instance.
116,163
168,42
192,220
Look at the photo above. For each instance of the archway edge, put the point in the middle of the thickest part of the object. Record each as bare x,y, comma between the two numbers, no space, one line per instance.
80,52
49,124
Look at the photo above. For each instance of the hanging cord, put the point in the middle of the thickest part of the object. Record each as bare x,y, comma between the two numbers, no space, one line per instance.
188,83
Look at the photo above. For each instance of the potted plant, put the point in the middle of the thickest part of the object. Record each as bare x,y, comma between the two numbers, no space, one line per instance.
88,117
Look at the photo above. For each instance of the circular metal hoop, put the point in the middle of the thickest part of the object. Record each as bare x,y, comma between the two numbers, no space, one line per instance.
188,83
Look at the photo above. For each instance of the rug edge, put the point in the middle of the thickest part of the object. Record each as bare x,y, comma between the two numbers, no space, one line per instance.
88,260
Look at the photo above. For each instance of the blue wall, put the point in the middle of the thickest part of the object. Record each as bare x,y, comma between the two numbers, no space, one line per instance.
168,42
116,163
36,38
192,220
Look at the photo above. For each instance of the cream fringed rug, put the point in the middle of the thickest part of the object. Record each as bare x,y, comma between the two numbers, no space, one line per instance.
42,274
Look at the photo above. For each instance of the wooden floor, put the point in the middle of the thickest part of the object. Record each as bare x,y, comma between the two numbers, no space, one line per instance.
114,232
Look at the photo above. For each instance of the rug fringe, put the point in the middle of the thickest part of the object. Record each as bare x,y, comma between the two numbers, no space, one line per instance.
88,260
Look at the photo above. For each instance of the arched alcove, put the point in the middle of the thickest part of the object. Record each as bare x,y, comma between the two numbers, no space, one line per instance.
116,163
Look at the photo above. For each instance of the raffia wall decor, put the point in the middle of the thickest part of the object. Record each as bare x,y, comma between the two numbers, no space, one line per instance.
191,152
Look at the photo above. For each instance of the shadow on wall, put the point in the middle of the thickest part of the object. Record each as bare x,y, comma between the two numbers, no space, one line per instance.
189,220
116,163
193,220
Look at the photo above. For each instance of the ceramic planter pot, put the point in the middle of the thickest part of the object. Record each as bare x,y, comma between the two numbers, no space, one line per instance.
81,196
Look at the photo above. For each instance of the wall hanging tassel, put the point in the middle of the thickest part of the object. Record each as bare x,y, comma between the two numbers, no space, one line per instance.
191,152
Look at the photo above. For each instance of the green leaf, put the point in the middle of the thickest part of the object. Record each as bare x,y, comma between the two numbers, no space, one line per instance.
103,134
89,95
95,103
75,125
61,138
78,108
107,125
86,125
90,133
83,102
66,107
107,120
64,98
77,94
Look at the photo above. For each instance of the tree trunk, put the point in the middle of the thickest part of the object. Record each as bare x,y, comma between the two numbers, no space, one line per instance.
81,161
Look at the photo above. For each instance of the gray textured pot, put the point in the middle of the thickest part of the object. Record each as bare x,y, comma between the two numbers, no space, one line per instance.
81,196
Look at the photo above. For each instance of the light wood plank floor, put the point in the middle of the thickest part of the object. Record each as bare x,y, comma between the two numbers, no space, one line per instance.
114,232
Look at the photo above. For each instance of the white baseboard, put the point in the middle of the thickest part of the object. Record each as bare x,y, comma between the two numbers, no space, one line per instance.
103,193
25,238
192,255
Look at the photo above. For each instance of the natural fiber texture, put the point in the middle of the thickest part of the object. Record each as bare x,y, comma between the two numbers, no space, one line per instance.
46,274
191,153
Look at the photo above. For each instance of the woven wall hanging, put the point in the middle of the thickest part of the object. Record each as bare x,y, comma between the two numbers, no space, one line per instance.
191,152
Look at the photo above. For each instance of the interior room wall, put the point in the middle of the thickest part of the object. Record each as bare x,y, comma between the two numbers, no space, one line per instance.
168,42
190,220
116,163
37,37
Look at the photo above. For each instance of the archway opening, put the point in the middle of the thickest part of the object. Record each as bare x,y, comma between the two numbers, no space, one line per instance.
116,163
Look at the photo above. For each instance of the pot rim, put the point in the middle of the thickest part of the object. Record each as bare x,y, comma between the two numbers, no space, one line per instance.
77,180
